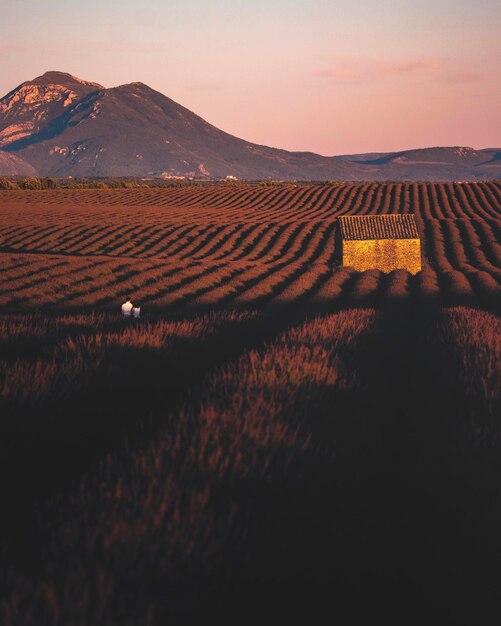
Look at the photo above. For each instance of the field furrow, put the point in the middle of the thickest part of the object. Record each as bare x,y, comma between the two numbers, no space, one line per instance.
239,244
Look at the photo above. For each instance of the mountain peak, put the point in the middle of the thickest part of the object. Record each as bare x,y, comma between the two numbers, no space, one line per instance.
33,106
62,78
135,86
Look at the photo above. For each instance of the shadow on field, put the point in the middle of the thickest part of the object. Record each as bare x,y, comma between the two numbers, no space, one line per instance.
401,521
49,439
391,511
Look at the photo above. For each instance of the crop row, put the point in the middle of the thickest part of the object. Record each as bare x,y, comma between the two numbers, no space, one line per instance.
277,245
461,244
62,283
277,203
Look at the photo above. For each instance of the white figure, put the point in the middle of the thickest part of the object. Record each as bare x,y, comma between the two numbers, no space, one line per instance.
136,310
127,307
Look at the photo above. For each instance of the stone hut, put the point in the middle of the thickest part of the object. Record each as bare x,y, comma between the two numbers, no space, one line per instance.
382,242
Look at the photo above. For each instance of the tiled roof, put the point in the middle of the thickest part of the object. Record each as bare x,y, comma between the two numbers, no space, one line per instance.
378,227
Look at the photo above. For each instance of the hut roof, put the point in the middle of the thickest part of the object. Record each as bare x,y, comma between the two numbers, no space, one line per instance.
391,226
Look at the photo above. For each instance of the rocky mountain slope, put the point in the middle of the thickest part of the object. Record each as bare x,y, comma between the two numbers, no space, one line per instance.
59,125
12,165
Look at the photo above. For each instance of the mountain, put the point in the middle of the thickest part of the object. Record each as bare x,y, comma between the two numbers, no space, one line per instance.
60,125
434,164
12,165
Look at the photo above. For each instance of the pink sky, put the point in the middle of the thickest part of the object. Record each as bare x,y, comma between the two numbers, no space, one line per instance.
334,77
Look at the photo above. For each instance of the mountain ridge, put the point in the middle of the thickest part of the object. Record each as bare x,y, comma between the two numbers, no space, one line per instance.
60,125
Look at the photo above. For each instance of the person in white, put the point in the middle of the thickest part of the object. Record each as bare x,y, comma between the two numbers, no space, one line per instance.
136,311
127,308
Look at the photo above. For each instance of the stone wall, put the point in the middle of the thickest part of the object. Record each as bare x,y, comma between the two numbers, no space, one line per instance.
382,254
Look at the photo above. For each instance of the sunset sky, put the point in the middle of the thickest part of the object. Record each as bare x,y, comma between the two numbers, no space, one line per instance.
330,76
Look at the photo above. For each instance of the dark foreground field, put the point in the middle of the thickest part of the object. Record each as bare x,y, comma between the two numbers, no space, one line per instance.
312,441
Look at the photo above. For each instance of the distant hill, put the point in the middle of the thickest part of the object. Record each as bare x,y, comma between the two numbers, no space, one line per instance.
59,125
